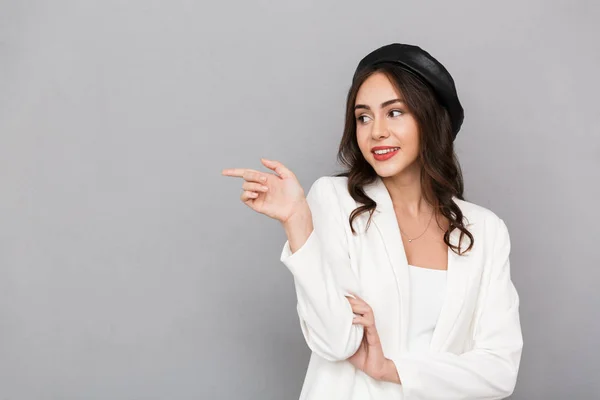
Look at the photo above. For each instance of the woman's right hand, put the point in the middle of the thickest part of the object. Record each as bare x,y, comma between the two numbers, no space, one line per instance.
277,196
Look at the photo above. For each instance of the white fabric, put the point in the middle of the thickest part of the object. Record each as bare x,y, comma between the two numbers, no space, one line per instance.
475,349
428,289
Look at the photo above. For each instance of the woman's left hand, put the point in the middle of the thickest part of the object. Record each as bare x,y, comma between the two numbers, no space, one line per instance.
369,357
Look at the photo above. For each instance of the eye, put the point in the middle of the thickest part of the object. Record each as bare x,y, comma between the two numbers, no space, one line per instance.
360,118
400,112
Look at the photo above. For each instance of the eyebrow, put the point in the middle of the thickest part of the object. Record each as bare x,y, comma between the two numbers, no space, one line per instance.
384,104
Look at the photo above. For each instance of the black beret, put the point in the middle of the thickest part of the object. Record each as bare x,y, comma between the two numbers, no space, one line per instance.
429,70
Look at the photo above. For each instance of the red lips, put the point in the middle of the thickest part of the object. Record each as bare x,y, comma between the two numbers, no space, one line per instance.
383,148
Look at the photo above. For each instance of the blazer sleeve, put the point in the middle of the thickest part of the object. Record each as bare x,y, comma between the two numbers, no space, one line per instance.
489,370
323,276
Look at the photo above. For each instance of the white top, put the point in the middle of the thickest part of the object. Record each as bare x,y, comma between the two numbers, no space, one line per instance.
476,349
427,291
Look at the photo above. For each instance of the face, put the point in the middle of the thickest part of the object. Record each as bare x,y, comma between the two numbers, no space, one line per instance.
383,121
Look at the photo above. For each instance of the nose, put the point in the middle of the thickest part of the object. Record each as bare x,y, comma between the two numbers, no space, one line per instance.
380,129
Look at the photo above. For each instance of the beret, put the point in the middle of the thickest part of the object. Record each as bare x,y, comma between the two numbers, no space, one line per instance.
426,68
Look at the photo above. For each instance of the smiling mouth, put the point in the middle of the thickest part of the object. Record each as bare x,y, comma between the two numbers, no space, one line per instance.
385,151
383,155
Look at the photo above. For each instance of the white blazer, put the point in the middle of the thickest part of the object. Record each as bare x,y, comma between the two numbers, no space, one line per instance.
476,346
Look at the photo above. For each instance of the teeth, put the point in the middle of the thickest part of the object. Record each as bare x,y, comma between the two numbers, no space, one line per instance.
386,150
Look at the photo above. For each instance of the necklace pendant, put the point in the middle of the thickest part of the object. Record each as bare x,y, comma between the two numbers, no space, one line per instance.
409,240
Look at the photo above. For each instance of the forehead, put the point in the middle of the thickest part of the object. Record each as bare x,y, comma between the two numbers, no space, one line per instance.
376,89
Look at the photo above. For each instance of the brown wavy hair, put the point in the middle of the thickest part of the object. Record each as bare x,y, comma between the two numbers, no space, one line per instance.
441,176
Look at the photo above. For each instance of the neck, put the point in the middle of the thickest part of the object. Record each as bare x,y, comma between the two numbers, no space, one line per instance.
406,192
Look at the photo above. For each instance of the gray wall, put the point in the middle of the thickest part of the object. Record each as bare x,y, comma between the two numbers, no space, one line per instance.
129,269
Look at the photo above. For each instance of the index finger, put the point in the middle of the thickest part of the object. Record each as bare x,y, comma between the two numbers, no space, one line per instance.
238,172
357,297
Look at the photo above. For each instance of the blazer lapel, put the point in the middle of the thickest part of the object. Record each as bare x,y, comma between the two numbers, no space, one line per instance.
384,219
457,278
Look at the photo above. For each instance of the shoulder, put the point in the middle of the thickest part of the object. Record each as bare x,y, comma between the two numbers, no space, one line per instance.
485,221
475,212
327,202
326,186
329,194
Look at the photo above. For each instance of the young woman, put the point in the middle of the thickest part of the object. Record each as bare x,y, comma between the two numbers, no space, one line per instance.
403,286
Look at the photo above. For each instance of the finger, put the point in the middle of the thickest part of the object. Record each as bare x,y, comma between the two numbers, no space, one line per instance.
357,302
247,195
239,172
249,175
352,300
254,187
254,176
357,297
366,318
278,167
360,320
361,309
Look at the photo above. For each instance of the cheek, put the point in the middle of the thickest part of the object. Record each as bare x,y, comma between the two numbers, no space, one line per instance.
410,140
407,134
362,138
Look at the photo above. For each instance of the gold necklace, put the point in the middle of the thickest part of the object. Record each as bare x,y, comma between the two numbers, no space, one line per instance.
427,227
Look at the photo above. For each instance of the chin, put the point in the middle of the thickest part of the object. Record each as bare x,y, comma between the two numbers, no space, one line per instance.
388,170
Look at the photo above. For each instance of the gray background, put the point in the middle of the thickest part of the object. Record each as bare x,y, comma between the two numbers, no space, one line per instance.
129,269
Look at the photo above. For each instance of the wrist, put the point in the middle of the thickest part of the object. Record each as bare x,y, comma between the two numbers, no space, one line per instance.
298,227
298,216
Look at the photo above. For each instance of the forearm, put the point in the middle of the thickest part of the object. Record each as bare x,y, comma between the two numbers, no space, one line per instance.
390,372
322,276
299,227
476,374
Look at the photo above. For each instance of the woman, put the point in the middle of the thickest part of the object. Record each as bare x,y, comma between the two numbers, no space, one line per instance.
403,287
